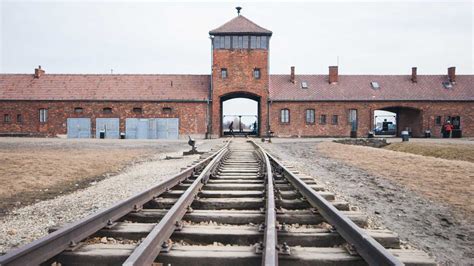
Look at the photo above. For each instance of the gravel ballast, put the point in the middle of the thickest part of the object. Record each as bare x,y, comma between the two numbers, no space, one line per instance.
26,224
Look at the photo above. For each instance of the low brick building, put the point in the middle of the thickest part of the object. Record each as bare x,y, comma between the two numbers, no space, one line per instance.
172,106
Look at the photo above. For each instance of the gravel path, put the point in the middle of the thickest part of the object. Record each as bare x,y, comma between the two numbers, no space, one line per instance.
423,223
26,224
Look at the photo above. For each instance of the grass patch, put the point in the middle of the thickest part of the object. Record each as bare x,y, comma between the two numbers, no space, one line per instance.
447,151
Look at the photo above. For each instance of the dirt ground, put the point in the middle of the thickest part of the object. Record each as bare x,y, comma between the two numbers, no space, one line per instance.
35,169
428,201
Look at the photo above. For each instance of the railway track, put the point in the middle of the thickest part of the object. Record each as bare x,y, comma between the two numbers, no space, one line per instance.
236,206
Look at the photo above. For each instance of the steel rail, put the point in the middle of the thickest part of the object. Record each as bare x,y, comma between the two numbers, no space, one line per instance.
150,247
367,247
270,253
45,248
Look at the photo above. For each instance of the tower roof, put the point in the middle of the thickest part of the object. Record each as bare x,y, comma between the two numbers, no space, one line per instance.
240,25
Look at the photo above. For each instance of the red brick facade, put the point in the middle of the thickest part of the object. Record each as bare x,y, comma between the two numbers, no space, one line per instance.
418,116
192,115
240,82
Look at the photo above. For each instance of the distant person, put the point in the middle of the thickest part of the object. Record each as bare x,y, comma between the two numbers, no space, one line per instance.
447,129
231,128
255,128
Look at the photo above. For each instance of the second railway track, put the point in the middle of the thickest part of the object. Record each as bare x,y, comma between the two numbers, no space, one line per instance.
238,206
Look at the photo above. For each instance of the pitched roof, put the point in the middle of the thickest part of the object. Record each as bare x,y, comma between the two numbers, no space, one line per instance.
240,25
358,88
104,87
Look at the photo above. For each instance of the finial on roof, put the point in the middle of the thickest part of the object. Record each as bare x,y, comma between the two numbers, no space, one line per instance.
238,10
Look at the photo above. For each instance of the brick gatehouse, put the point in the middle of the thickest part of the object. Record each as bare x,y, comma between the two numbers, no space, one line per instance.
173,106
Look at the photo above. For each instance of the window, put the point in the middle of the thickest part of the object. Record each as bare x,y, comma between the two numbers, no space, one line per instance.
285,116
322,119
256,73
167,110
335,120
263,44
107,110
223,73
6,118
235,42
438,120
137,110
19,118
253,42
352,119
227,42
43,115
375,85
78,110
245,42
258,42
304,84
310,114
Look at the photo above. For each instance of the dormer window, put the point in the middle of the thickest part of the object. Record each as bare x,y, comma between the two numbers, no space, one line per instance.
375,85
304,85
447,85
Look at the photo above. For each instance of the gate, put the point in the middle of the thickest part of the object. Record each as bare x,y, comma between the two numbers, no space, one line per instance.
168,128
78,128
111,127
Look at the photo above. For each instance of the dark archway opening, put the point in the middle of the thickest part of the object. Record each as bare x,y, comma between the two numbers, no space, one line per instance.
240,114
398,119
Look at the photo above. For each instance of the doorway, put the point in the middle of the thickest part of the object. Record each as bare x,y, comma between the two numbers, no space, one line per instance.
240,115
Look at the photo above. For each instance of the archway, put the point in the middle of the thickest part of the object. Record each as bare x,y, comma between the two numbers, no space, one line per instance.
241,112
405,118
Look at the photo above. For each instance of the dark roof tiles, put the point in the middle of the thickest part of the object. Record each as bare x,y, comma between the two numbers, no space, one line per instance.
358,88
240,25
104,87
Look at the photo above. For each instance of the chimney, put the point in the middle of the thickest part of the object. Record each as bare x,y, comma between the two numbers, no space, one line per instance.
292,75
452,74
38,72
333,74
413,75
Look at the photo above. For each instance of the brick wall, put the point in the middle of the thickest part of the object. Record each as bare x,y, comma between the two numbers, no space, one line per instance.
240,65
419,119
192,115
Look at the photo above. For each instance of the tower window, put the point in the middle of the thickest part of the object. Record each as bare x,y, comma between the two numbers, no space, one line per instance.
78,110
253,42
167,110
256,73
227,42
223,73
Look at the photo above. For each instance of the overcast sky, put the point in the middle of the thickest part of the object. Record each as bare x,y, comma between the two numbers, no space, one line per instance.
164,37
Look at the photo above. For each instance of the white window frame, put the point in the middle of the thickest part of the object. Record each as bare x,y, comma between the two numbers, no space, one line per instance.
285,116
43,115
310,116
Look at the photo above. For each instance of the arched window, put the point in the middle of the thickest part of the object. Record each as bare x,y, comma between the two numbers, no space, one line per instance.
285,115
107,110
